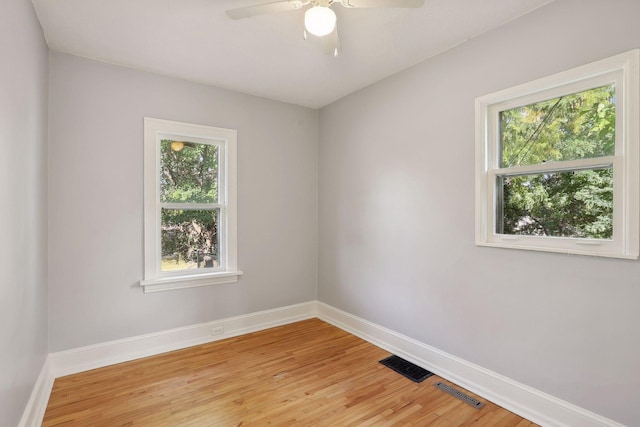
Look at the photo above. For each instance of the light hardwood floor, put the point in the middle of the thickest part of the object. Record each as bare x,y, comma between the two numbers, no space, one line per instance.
307,373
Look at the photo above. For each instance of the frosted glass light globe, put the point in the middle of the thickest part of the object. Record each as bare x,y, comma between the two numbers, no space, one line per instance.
319,20
177,145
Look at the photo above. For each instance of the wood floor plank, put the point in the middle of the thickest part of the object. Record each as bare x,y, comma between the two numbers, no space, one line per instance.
306,373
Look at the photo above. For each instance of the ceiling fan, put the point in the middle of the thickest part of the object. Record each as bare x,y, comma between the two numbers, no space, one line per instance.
319,18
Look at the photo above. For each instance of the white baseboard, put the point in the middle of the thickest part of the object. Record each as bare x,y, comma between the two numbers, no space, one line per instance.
37,404
523,400
96,356
532,404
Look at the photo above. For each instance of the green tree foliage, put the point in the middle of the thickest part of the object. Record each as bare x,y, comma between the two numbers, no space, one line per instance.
189,175
577,203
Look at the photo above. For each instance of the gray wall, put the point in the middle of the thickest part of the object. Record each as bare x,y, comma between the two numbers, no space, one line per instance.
396,209
23,245
96,202
396,218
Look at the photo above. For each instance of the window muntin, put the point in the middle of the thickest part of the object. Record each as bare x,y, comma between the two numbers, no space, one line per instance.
190,177
190,205
564,147
563,201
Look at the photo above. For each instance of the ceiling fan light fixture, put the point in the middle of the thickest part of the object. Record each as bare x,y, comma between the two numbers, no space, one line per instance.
319,20
177,145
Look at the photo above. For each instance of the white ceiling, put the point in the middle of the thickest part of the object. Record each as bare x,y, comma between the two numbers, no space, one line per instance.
266,55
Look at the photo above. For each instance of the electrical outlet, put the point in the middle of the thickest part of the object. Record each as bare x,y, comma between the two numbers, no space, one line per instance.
217,330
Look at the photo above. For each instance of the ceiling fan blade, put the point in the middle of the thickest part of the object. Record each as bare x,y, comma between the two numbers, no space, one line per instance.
266,8
381,3
331,43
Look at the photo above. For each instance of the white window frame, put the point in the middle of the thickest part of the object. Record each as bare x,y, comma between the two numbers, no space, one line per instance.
227,272
624,71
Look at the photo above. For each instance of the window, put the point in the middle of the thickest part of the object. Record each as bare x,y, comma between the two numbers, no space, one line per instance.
190,205
557,162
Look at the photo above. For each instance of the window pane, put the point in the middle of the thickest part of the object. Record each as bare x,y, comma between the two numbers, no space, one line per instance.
577,126
560,204
189,172
190,239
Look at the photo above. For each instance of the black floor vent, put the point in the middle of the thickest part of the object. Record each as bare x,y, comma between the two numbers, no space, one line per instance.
459,395
406,368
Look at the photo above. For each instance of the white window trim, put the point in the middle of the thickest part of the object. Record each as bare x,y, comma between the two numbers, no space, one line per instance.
624,70
154,279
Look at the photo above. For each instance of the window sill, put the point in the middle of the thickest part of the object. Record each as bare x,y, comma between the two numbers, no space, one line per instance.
567,251
191,281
